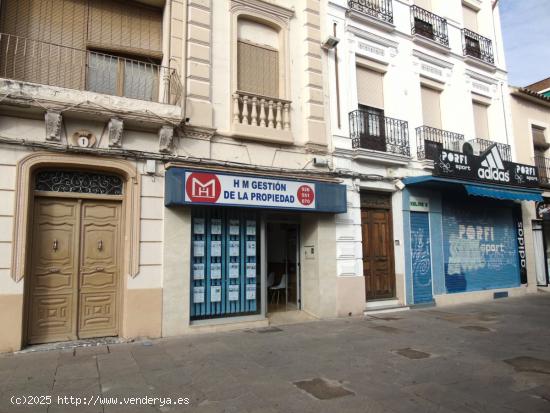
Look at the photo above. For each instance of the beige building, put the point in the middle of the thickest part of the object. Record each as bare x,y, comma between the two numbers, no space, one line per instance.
115,118
531,122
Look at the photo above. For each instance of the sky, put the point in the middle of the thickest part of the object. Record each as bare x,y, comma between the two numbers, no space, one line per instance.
526,32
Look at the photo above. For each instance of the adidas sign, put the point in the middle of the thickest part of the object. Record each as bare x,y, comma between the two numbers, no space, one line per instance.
492,167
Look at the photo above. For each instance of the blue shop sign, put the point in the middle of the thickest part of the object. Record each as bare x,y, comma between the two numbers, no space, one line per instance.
204,187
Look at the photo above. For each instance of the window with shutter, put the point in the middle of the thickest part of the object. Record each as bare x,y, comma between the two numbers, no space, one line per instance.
470,18
370,87
258,59
258,69
431,107
481,120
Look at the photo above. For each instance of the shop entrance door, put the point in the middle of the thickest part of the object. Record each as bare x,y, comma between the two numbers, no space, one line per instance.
377,235
73,291
283,267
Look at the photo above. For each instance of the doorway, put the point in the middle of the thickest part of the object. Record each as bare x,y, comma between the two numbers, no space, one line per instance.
377,238
75,269
283,266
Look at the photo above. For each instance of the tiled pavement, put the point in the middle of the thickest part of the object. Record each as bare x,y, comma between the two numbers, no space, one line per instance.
490,357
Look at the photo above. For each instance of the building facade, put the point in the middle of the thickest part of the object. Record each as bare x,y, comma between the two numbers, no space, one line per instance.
531,121
420,113
164,167
172,167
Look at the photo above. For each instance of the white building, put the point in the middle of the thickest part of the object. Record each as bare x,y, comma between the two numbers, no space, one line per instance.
407,81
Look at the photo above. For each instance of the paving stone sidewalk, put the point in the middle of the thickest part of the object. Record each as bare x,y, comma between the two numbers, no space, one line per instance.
490,357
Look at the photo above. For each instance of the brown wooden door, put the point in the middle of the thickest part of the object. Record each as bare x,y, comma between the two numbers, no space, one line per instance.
75,270
99,269
53,278
378,264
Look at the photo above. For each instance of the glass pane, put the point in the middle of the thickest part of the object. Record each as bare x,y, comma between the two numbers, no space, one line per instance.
102,73
140,80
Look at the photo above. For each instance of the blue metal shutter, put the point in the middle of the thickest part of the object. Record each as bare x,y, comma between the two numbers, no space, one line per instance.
421,258
479,246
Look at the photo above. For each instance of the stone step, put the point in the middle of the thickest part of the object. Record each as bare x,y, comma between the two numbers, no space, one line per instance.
386,309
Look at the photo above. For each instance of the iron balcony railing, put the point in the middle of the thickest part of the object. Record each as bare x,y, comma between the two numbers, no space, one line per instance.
379,9
481,145
431,140
429,25
50,64
543,167
373,131
477,46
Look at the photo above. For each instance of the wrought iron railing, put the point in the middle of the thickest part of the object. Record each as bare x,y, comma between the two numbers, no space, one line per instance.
379,9
430,140
477,46
51,64
429,25
481,145
543,167
373,131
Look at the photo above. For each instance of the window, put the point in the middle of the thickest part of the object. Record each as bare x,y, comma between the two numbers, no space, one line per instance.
481,120
370,87
470,18
257,59
539,140
370,119
424,4
431,107
116,75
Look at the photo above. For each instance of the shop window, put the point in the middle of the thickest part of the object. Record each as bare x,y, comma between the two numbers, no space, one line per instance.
225,263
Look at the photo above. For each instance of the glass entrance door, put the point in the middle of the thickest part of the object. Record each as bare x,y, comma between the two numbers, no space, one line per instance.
283,267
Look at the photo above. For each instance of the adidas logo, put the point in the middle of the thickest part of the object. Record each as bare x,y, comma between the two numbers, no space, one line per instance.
492,166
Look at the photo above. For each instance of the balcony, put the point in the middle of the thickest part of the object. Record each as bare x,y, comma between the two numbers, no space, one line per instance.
429,25
261,117
431,140
543,167
49,64
379,133
379,9
477,46
481,145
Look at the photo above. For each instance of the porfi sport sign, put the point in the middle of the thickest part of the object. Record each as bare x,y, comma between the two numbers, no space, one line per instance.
239,190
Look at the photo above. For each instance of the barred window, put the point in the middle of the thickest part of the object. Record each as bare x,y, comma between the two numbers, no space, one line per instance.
78,182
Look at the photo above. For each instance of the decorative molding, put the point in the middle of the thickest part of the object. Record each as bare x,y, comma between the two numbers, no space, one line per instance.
53,126
196,132
166,139
481,77
363,34
24,201
444,64
264,9
116,128
83,138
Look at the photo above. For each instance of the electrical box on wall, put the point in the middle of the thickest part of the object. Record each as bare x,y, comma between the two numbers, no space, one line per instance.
309,252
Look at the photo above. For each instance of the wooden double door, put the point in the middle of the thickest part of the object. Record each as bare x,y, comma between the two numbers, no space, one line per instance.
75,269
378,257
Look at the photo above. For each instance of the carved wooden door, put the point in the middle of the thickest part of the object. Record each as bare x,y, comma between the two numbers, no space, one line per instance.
378,261
75,270
54,271
99,269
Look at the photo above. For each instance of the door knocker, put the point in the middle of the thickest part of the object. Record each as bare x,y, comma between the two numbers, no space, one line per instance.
55,245
100,245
